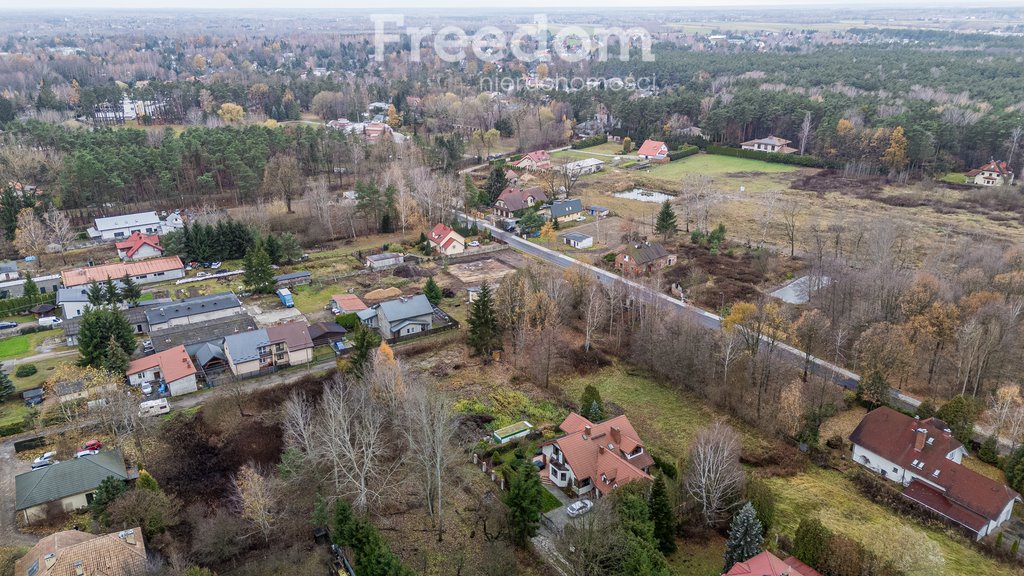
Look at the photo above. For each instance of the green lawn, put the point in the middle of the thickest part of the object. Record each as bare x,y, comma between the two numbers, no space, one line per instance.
578,155
953,178
24,345
668,420
13,411
715,165
20,319
43,370
609,148
698,558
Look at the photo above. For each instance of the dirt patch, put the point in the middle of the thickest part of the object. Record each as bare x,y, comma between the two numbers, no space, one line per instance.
474,273
714,280
830,180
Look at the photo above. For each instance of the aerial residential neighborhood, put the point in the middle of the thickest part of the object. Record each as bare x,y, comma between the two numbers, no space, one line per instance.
536,290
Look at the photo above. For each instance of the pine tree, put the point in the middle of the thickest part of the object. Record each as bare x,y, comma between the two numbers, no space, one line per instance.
291,250
666,224
496,182
108,491
524,499
484,334
95,295
364,341
6,386
433,292
661,516
591,405
272,246
116,360
130,291
111,295
145,481
259,277
29,289
97,328
746,537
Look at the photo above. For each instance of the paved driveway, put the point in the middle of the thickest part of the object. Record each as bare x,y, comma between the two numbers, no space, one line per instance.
558,517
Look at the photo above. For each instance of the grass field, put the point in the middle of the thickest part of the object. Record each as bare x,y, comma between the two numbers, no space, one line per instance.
668,421
613,148
13,411
714,165
43,370
20,319
24,345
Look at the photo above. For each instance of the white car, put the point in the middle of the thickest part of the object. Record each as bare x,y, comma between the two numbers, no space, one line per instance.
474,244
44,460
202,274
81,453
147,388
579,508
581,218
215,265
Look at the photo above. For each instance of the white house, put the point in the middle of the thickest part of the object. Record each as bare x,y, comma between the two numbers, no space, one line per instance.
120,227
995,173
582,167
578,240
925,458
172,367
769,144
653,150
139,246
446,240
9,271
594,458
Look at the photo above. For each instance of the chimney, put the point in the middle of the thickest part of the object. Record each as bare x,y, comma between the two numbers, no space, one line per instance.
922,435
600,449
616,435
586,431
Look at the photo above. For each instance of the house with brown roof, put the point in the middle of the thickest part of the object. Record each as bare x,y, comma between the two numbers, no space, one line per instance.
249,353
139,246
770,144
145,272
512,200
643,258
924,457
446,240
595,458
82,554
995,173
536,160
768,564
653,150
172,367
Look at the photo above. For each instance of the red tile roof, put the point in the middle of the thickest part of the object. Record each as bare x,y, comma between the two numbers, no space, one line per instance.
174,364
349,302
997,166
440,232
652,148
767,564
79,276
138,240
802,568
599,455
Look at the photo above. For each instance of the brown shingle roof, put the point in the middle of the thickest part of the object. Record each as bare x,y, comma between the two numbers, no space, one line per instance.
515,198
295,334
646,253
117,554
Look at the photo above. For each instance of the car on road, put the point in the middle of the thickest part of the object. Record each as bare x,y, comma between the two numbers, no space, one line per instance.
81,453
202,274
6,325
92,445
44,460
473,244
579,508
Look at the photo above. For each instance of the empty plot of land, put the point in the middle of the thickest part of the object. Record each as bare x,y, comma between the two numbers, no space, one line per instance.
486,270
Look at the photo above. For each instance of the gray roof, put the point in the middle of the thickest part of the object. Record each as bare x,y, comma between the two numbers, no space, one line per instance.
576,236
646,253
191,335
368,313
407,307
245,346
134,316
292,276
68,478
384,256
209,351
190,306
563,208
127,220
597,208
8,266
76,294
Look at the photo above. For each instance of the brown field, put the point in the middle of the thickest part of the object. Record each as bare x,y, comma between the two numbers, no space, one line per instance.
487,270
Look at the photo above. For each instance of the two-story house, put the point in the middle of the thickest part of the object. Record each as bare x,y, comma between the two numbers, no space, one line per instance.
251,352
536,160
512,200
139,246
594,458
770,144
643,258
446,240
925,458
995,173
172,368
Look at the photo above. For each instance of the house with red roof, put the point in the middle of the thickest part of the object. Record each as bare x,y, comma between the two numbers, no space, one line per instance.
513,199
536,160
139,246
592,459
653,150
995,173
768,564
924,457
446,240
172,367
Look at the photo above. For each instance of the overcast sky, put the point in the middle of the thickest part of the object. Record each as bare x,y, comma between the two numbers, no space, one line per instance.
291,5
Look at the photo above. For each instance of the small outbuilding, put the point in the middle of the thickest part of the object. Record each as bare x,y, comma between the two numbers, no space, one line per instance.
578,240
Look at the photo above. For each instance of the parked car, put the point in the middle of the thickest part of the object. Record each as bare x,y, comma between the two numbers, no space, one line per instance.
147,388
581,218
215,265
44,460
147,346
6,325
92,445
50,321
579,508
202,275
474,244
81,453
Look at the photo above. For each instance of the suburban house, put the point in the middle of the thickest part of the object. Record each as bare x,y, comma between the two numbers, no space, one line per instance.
14,288
403,316
768,564
136,317
144,272
172,367
74,301
582,167
80,553
65,486
536,160
119,227
345,303
139,246
9,271
563,210
995,173
769,144
191,336
643,258
446,240
300,278
653,150
326,333
925,458
192,310
595,458
578,240
250,352
385,260
512,200
598,211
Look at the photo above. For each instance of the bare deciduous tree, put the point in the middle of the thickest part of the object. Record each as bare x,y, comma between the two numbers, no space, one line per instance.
319,198
594,301
766,215
31,235
805,132
791,210
61,232
714,479
431,426
592,542
297,422
255,495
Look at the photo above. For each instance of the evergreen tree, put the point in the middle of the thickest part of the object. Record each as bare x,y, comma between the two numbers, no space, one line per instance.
111,295
591,405
763,500
6,386
385,224
364,341
145,481
291,250
662,517
666,224
1014,468
130,291
30,290
530,222
272,246
746,537
524,500
116,360
484,334
259,276
874,389
989,451
108,491
98,327
432,291
811,543
496,182
959,414
95,294
633,511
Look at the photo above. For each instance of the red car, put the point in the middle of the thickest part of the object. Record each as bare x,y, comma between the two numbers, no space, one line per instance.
92,445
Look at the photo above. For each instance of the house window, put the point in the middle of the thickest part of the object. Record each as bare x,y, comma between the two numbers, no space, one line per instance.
42,289
118,234
281,356
138,328
895,469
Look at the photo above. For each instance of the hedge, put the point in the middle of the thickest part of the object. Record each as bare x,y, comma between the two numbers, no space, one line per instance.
795,159
589,142
22,304
25,370
12,429
684,151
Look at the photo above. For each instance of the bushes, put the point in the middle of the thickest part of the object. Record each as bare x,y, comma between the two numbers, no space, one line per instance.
989,452
588,142
14,306
12,428
795,159
25,370
33,328
683,151
667,467
347,321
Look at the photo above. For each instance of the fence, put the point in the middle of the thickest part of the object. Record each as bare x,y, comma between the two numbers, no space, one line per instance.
452,326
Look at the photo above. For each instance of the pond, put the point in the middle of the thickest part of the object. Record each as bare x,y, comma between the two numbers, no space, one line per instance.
643,195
